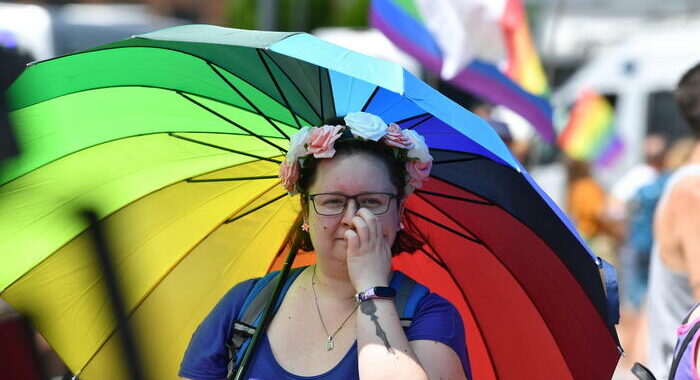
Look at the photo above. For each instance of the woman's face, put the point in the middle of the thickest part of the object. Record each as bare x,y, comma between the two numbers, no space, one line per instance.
349,175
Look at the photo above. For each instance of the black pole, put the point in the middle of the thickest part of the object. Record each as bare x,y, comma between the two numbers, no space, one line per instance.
123,331
11,65
267,313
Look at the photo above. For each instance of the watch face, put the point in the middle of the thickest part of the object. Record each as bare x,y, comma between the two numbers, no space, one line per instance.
385,292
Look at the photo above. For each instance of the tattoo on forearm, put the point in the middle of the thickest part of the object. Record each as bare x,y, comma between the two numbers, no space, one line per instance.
369,308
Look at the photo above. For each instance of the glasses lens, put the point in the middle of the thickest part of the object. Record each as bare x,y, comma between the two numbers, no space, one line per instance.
329,204
376,203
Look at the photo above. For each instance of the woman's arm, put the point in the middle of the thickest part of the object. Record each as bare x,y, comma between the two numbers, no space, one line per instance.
384,352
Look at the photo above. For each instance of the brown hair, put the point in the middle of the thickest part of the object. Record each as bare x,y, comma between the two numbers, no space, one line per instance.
407,240
688,98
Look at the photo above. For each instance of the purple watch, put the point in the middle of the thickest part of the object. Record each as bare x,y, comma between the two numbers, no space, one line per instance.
375,292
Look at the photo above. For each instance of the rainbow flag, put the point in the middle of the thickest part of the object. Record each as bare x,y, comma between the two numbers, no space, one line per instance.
523,65
590,133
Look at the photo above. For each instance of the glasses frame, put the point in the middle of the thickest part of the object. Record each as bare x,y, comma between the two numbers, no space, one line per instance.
311,197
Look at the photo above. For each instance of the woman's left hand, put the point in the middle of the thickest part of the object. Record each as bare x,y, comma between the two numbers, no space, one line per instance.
369,253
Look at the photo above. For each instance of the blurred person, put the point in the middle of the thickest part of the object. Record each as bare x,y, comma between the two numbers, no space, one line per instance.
627,186
503,131
521,131
674,279
636,252
585,205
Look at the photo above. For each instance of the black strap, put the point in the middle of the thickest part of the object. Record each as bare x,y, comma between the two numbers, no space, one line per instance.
679,351
642,372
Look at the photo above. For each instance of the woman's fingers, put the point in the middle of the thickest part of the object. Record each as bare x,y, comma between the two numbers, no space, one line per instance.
371,221
353,242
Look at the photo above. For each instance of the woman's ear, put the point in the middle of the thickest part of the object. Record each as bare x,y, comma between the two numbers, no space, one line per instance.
304,203
402,209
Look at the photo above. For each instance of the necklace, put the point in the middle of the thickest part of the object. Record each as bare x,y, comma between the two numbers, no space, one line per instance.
329,342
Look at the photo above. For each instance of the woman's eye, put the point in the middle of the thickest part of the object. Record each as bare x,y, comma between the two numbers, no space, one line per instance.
332,202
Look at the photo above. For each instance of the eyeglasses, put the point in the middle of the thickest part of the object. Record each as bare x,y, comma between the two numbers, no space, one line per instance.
330,204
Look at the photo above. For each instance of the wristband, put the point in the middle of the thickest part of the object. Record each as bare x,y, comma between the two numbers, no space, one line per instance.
375,292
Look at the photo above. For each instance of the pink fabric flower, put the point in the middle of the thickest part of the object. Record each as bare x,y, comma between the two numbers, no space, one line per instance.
321,140
289,174
396,138
418,171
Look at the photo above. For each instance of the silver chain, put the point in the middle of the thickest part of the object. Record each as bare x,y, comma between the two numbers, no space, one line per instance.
329,342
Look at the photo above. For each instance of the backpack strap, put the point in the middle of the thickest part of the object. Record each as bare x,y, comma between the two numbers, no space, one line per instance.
681,350
246,322
642,372
409,293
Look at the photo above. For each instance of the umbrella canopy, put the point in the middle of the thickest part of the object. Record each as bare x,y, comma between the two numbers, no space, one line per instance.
175,137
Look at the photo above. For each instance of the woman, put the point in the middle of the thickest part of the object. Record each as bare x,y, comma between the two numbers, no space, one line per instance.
353,178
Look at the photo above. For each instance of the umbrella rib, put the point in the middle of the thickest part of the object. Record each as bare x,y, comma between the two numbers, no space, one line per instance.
320,94
293,84
224,148
414,117
240,93
458,160
452,219
475,240
256,208
232,122
438,261
487,203
369,100
191,180
421,122
279,89
330,88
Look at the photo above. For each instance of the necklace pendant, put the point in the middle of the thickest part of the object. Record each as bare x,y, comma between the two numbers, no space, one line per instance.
329,343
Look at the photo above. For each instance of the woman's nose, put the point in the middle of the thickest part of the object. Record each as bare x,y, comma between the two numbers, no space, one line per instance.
350,211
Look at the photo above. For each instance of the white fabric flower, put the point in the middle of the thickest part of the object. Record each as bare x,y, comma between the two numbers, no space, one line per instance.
296,145
366,126
420,149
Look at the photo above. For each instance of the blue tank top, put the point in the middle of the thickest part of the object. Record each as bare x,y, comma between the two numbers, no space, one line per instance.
206,356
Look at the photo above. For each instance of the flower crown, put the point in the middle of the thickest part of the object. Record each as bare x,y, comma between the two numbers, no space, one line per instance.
408,146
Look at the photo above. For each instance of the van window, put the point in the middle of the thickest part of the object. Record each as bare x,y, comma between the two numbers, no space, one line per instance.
663,116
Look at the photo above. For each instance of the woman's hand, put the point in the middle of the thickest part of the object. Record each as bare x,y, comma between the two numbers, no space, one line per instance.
369,253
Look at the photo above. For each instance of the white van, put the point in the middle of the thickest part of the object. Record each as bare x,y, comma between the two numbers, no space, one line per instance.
638,77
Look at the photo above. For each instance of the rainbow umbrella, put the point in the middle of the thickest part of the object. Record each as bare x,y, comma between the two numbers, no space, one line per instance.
175,138
402,23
